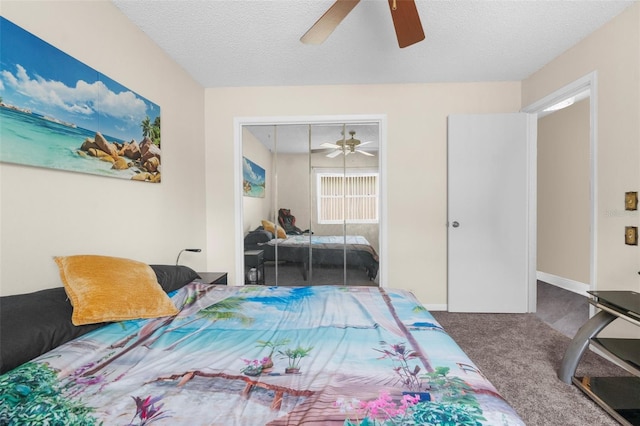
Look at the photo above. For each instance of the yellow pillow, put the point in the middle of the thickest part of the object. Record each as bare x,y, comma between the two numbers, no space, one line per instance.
103,288
271,227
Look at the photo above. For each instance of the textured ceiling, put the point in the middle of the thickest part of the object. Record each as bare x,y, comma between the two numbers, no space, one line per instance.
256,42
227,43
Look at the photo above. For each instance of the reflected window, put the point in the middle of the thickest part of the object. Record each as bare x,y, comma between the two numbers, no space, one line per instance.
350,197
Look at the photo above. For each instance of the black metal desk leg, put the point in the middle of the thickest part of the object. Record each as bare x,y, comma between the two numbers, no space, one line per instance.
580,343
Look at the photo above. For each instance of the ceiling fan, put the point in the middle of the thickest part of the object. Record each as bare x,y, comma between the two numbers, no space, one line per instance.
405,20
346,146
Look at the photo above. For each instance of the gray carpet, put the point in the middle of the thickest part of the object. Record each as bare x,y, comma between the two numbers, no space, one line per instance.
520,355
563,310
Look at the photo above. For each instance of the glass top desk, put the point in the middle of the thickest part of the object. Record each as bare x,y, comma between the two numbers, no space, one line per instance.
619,396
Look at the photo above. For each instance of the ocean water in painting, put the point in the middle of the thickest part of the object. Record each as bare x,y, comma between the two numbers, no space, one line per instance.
31,139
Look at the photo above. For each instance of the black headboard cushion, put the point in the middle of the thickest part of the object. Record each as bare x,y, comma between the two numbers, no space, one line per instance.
174,277
253,239
34,323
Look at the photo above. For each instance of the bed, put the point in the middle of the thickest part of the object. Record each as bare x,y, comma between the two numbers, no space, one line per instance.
258,355
325,250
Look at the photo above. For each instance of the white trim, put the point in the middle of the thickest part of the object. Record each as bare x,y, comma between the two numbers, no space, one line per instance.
237,184
565,283
379,119
572,89
532,211
587,83
435,308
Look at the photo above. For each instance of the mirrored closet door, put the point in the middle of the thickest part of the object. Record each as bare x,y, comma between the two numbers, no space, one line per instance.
311,203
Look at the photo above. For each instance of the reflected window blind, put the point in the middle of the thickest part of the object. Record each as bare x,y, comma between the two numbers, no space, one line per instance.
352,198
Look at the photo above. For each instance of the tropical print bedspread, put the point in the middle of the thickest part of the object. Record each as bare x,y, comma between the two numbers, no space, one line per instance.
259,355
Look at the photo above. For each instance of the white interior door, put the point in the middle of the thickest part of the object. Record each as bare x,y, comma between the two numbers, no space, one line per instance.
489,212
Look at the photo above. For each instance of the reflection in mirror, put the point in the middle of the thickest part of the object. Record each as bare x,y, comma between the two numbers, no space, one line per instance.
318,222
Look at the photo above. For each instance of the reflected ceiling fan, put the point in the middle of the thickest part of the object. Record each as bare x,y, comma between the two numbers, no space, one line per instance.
346,146
406,22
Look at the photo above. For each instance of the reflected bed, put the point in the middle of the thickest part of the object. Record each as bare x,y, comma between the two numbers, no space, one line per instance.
325,250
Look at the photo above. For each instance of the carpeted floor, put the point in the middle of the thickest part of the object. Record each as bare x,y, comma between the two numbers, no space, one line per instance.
563,310
521,354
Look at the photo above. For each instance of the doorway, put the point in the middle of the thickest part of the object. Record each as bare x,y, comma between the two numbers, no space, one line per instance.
294,153
567,202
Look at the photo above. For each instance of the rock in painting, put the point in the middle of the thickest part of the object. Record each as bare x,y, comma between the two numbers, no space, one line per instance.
146,156
131,150
141,176
149,150
152,164
88,144
96,152
105,146
120,164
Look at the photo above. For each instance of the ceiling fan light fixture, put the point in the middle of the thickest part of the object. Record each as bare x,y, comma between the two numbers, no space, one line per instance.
346,146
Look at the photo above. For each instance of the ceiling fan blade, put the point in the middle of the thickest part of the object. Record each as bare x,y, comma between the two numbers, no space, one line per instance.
364,143
406,21
334,153
321,150
328,22
368,154
329,145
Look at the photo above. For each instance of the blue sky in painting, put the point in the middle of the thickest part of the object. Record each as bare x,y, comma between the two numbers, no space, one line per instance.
42,78
252,172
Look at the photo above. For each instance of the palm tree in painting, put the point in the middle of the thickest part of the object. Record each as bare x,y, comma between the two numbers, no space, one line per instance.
147,127
155,131
412,340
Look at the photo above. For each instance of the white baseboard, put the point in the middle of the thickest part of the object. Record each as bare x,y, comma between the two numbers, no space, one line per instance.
440,307
565,283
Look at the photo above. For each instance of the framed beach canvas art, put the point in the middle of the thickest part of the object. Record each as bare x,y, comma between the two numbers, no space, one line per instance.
253,179
56,112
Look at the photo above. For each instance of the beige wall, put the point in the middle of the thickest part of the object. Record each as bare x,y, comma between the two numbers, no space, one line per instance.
614,52
293,182
415,155
563,193
44,213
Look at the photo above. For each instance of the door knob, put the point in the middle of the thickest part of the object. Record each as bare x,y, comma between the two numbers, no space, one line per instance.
455,224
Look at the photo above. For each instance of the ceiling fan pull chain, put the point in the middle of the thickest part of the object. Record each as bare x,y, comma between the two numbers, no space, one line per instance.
395,5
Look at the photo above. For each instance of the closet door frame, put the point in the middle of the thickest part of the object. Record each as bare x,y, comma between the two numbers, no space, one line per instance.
240,122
